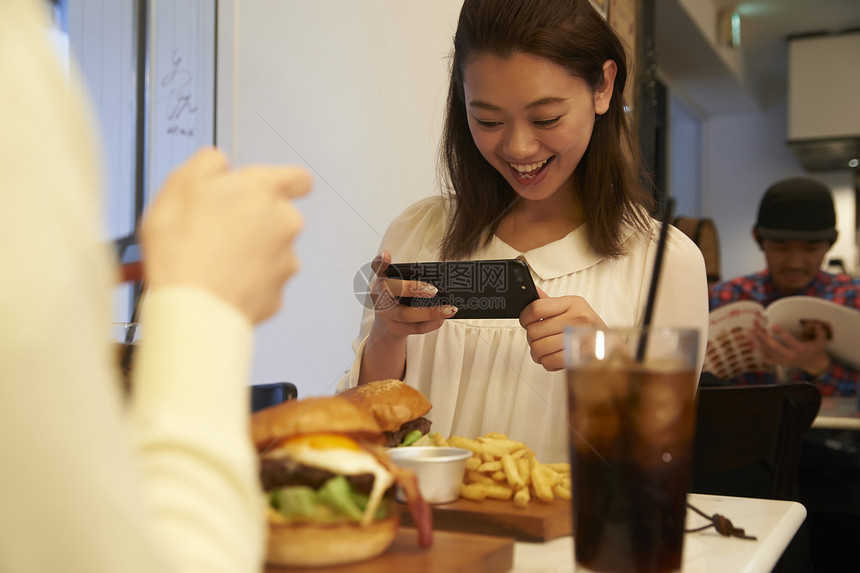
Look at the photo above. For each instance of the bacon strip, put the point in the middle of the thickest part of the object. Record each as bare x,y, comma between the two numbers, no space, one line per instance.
415,502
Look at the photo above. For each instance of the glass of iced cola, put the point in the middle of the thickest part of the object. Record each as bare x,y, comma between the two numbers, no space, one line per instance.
631,407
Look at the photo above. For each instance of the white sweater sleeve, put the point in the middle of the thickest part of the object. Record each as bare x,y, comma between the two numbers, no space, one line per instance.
189,427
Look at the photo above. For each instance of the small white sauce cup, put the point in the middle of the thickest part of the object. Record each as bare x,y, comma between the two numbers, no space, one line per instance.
440,470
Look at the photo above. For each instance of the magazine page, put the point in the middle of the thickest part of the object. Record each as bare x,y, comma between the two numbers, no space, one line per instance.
794,313
731,351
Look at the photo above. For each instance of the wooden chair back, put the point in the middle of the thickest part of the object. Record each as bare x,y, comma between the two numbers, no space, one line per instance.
748,438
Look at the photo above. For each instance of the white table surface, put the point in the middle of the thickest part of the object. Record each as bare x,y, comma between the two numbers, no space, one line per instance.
838,413
774,523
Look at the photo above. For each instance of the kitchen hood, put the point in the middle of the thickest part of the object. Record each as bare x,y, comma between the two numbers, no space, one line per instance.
827,154
824,100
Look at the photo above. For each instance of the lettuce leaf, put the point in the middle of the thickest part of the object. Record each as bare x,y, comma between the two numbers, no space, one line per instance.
336,494
335,501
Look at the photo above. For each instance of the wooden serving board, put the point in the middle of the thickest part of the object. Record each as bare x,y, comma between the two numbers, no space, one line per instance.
537,522
451,551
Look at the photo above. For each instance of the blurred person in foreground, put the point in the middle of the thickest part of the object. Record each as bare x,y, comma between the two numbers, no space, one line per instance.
170,483
796,226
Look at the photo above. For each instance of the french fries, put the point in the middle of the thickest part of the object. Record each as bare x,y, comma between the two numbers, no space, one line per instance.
505,469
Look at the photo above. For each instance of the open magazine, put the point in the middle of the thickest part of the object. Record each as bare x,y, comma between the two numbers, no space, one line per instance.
732,352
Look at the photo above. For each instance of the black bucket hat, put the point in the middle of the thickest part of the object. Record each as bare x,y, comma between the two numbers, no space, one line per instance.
796,209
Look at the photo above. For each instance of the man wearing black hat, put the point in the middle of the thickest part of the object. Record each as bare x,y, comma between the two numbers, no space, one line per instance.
796,226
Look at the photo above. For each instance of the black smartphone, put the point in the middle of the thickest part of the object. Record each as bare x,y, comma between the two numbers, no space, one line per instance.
499,288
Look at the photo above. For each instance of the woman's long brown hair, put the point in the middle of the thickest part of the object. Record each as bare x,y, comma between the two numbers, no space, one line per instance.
609,178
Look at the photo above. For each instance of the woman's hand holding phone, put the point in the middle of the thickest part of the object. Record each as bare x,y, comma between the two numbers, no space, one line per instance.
399,320
545,320
385,350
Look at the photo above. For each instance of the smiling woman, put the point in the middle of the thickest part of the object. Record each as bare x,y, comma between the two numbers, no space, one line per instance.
532,121
512,60
539,165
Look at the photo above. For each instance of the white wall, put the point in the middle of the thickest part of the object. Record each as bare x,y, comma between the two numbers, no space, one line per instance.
685,159
742,155
353,91
823,104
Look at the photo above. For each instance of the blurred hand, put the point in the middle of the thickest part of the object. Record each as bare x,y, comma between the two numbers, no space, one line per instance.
393,321
228,231
780,348
545,320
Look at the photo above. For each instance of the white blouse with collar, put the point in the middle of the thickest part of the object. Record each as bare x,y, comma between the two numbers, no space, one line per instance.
479,375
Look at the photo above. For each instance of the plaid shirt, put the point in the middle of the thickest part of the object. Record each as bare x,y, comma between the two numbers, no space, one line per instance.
839,379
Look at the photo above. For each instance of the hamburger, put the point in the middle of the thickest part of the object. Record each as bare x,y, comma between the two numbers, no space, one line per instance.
397,407
329,484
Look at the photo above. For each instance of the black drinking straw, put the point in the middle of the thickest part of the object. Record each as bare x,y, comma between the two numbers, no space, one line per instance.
668,208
